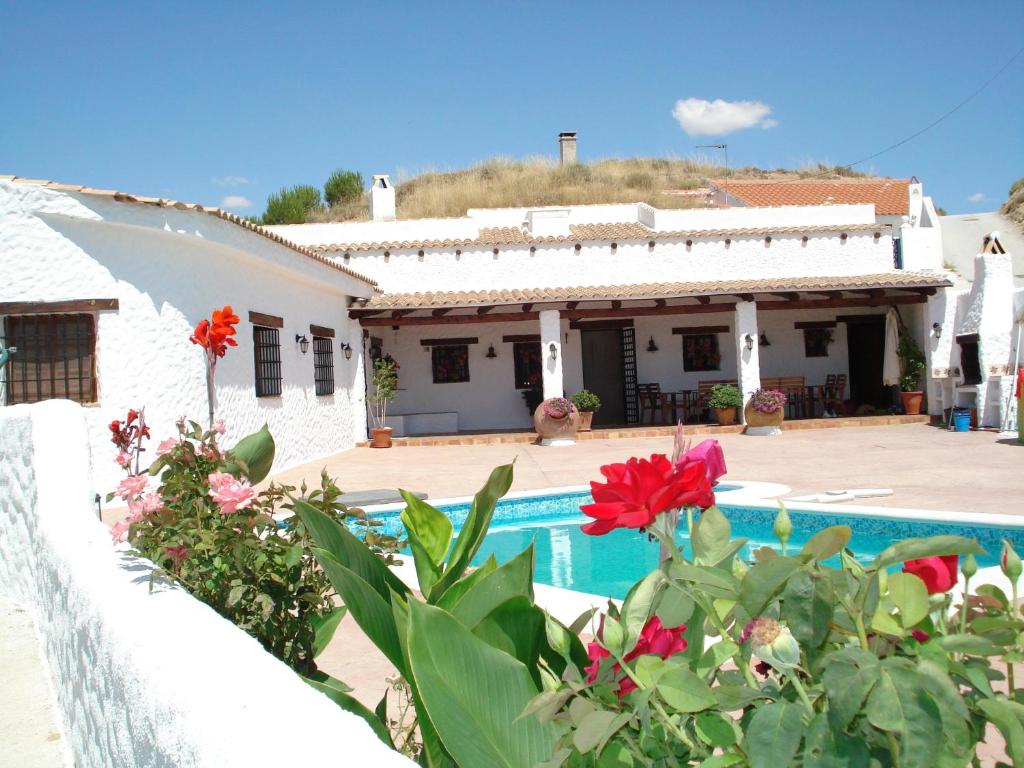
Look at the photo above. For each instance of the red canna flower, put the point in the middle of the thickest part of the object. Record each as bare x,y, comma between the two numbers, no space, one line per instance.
654,640
937,573
639,490
215,336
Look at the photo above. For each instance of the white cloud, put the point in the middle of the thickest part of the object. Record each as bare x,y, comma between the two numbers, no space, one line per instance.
701,117
235,201
230,181
977,197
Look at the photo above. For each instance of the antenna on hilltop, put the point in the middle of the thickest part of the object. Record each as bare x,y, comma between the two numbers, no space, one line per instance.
723,147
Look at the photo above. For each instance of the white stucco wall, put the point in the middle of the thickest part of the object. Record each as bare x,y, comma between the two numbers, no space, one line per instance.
169,269
143,678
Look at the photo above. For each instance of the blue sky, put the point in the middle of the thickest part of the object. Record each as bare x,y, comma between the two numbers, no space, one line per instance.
207,101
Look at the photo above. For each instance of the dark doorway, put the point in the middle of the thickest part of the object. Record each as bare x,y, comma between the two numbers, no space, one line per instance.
865,339
603,374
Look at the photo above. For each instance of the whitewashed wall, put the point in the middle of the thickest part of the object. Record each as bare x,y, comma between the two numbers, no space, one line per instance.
143,678
169,269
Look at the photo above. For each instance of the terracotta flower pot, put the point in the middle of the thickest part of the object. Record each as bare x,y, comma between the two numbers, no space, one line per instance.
586,417
912,402
381,437
550,428
725,416
758,419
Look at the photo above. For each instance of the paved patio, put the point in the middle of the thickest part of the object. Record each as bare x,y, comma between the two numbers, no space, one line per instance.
927,467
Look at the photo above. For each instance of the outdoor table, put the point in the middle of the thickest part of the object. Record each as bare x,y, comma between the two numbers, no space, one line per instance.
672,402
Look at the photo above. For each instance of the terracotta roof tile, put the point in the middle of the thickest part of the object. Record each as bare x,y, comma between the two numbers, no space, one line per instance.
890,196
124,197
656,290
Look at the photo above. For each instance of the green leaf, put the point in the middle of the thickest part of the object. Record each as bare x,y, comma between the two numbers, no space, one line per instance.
933,546
716,730
473,694
475,528
733,697
684,691
516,627
614,636
710,537
773,735
958,745
349,704
763,582
723,761
546,704
454,593
596,728
808,602
675,606
972,645
431,527
638,603
848,679
1008,717
372,612
825,748
828,542
713,581
252,456
714,657
910,596
324,627
513,579
899,703
428,573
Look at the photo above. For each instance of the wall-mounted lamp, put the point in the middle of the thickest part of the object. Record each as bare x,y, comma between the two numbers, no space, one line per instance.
763,341
937,329
554,351
346,349
490,352
749,341
303,343
651,346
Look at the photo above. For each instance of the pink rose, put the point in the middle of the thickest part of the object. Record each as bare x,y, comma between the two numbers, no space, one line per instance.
229,493
123,459
220,427
131,487
708,451
119,531
166,446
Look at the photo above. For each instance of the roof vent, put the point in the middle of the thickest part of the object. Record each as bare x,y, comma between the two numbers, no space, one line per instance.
547,222
382,199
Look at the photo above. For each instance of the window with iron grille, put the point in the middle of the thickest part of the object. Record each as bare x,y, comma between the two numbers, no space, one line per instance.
267,353
323,365
450,363
56,358
528,366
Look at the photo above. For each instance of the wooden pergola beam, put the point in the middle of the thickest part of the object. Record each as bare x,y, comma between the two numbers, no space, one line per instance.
675,309
527,307
501,317
869,301
483,310
744,296
787,295
440,312
571,304
702,299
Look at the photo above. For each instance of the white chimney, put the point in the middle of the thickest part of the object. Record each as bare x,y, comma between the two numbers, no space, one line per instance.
567,147
382,199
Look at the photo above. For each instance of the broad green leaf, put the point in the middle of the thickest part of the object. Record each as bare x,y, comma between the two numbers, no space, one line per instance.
431,527
973,645
513,579
825,748
714,657
910,596
807,605
723,761
564,642
912,549
252,456
371,611
684,691
773,734
900,703
712,581
991,590
1008,717
473,694
615,755
546,704
733,697
636,608
710,537
428,573
349,704
828,542
596,728
648,669
958,746
324,627
885,624
614,636
346,549
848,679
675,606
716,730
764,581
455,592
517,628
475,528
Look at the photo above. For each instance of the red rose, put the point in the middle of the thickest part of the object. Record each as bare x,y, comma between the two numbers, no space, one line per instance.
654,640
639,490
937,573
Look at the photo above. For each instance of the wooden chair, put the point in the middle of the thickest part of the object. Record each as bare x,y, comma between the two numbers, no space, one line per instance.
797,401
649,399
833,395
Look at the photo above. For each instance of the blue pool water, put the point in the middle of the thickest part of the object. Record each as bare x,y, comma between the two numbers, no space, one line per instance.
611,564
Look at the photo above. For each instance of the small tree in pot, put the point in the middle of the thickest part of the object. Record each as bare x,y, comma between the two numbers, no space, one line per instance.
912,365
586,403
385,387
724,399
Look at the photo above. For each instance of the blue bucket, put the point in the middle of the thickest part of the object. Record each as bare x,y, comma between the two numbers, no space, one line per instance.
961,420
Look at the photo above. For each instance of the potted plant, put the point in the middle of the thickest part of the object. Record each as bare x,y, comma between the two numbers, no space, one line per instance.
766,408
556,421
724,399
385,387
586,403
911,367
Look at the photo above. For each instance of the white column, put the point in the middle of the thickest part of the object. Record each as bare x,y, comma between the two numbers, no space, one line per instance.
551,338
748,366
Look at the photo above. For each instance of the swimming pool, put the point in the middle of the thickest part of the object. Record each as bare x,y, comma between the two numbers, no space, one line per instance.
611,564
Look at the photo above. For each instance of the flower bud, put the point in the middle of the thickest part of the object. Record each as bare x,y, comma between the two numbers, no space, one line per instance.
783,525
773,643
1009,562
969,567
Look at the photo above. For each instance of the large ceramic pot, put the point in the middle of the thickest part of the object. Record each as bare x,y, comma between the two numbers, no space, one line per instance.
725,416
912,402
552,430
758,419
586,417
381,437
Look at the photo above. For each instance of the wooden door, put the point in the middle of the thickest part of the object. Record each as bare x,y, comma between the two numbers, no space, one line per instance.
865,341
603,374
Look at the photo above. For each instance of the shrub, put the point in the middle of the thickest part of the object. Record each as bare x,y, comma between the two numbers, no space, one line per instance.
343,187
586,401
292,205
912,361
725,396
385,387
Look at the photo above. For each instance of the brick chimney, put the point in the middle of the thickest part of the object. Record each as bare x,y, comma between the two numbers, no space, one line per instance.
382,199
567,147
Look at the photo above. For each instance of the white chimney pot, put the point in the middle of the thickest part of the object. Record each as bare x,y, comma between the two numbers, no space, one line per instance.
382,199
